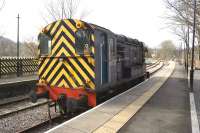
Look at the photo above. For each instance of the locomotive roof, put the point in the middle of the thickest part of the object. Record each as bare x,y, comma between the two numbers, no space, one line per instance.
122,38
99,27
119,37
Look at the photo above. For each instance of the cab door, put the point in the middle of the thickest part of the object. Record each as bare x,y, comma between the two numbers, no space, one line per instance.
104,58
101,57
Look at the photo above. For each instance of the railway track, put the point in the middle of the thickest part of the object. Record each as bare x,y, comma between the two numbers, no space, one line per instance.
7,101
16,106
46,125
149,66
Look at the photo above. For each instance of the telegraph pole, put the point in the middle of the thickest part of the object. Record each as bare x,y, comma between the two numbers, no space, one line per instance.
193,41
187,48
18,36
18,63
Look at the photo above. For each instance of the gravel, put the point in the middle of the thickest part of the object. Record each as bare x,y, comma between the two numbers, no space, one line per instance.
25,119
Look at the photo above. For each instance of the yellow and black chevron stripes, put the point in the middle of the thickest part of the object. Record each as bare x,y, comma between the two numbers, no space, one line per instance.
64,67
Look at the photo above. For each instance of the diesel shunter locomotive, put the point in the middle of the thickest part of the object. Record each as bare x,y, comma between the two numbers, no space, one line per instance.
79,62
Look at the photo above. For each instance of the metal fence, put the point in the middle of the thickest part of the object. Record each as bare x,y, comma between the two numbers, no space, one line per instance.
17,66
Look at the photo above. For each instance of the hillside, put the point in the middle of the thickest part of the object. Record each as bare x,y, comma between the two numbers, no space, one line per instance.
9,48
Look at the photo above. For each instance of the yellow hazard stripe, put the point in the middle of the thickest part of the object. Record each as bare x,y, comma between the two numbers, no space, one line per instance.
49,67
74,29
69,78
92,37
43,65
91,72
63,72
75,65
92,49
73,73
54,71
63,29
86,67
55,27
63,83
57,78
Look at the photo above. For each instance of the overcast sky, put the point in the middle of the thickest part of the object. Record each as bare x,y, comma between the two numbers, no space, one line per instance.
141,19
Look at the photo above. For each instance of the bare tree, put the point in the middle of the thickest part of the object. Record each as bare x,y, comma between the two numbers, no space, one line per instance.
167,50
2,4
180,15
63,9
29,49
180,19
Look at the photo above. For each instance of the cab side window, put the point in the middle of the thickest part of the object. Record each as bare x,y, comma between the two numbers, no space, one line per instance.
82,41
44,44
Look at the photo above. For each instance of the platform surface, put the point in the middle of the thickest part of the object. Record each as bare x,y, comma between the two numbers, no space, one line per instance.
114,113
197,92
168,111
13,80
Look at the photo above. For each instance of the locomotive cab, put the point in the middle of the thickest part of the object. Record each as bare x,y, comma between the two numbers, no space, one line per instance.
66,65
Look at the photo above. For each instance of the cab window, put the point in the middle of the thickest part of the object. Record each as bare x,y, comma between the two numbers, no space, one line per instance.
82,42
44,44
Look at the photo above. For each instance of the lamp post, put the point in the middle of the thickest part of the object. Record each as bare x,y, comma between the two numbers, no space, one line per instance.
193,41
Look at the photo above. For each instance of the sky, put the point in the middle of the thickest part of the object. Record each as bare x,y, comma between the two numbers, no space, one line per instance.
140,19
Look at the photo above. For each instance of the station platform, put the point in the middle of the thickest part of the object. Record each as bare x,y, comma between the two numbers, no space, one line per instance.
168,111
156,105
16,80
197,93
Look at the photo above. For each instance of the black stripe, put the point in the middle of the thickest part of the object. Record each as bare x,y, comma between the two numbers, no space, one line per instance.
68,28
52,68
48,63
71,75
56,41
66,37
77,72
58,27
48,32
42,61
75,59
73,45
52,25
61,78
63,34
55,75
87,62
72,22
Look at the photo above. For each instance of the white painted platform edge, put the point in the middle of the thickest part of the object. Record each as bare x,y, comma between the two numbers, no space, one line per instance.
193,113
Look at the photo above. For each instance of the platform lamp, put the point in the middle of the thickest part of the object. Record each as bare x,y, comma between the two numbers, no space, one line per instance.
193,41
